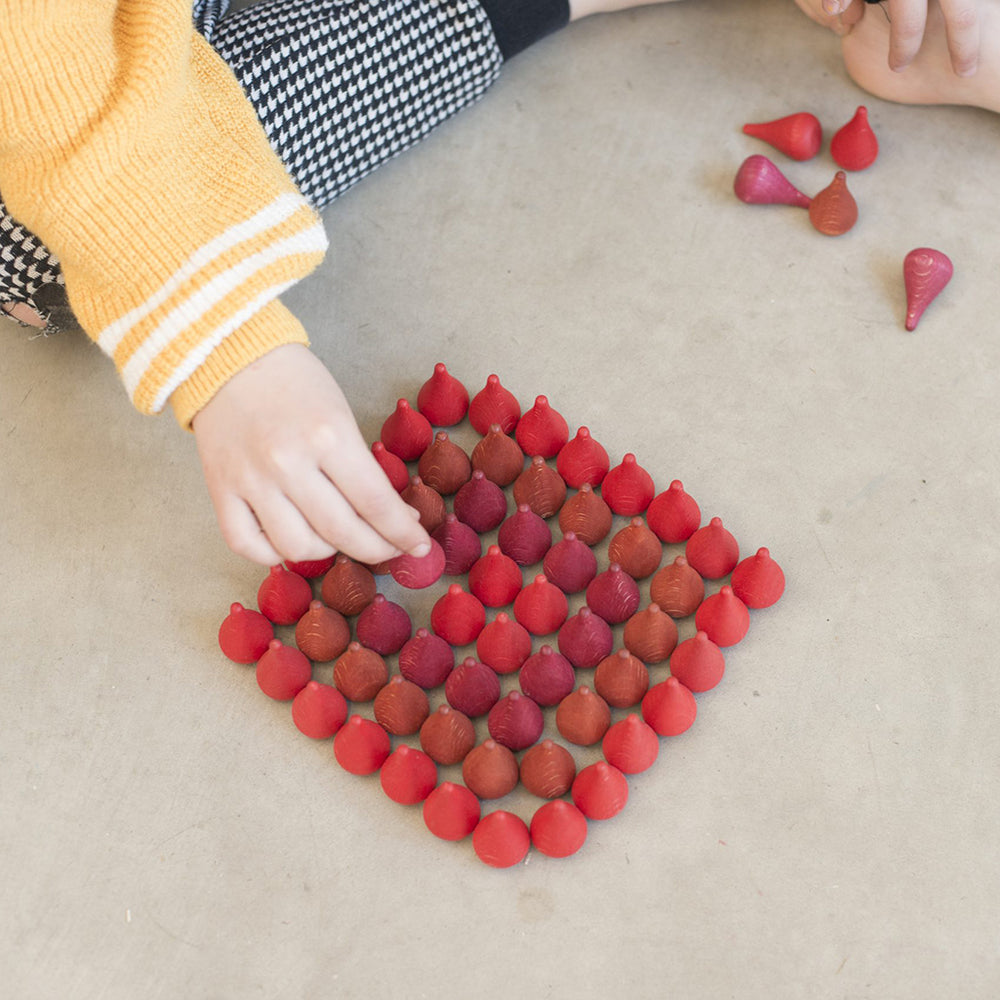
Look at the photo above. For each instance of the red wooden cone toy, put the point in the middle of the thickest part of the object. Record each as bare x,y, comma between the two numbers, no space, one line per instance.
854,145
798,136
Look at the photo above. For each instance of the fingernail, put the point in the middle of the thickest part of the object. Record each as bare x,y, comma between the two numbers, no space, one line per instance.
421,550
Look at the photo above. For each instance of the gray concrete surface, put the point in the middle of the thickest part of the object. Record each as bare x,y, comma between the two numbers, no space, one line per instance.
828,827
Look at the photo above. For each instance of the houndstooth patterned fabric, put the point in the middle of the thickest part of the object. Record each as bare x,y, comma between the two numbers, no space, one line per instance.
25,262
340,87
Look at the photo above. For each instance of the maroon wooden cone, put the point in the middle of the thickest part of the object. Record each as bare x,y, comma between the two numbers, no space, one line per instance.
570,564
460,542
546,677
426,659
585,639
480,503
613,595
525,536
515,721
472,688
925,274
383,626
760,182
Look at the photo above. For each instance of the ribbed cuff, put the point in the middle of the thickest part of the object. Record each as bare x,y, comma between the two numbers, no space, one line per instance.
272,327
520,23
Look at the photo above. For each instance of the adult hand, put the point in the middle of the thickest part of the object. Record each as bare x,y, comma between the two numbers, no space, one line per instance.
908,24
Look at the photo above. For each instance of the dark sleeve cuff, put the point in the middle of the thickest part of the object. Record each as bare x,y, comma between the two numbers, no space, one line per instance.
519,23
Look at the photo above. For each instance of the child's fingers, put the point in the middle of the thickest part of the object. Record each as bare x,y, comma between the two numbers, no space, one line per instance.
366,488
242,531
962,27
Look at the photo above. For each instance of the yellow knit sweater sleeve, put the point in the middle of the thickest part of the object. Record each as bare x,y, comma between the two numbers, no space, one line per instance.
128,147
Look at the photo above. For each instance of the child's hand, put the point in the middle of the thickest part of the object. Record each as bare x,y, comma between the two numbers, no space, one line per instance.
908,22
289,472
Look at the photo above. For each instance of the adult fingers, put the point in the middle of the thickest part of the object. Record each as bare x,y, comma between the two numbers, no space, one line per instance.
908,20
961,19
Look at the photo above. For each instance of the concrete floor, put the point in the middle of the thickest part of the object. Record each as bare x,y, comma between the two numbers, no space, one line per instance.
828,827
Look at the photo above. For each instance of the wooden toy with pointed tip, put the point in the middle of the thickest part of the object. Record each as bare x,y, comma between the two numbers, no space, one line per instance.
760,182
833,210
798,136
925,273
854,145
